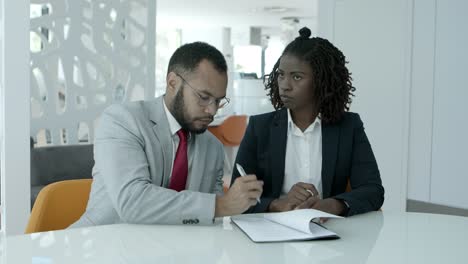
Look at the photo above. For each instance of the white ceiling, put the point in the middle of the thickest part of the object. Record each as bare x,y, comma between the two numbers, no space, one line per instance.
221,13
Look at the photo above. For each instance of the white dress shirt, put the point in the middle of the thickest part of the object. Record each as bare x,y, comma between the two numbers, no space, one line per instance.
303,156
174,126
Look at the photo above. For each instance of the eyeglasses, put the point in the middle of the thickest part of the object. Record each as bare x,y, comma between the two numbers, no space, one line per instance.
206,100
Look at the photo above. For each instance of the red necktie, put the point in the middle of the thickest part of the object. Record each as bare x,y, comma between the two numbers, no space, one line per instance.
180,168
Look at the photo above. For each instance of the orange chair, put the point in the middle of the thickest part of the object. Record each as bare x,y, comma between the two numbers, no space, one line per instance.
59,205
348,186
230,133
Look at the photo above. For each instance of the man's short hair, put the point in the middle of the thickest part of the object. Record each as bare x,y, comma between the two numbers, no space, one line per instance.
187,57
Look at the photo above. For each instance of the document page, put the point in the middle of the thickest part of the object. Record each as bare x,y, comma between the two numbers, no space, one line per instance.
287,226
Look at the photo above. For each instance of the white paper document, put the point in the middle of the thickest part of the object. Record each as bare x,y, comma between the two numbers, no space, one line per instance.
286,226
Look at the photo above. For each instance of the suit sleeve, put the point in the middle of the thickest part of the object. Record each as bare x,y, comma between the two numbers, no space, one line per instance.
218,189
367,192
122,164
247,157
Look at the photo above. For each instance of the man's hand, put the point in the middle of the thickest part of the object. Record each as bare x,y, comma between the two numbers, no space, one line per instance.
297,195
242,195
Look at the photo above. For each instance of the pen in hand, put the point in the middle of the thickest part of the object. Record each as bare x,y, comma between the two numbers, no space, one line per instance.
242,173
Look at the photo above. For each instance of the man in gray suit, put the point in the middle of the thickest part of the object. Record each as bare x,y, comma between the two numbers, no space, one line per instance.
154,162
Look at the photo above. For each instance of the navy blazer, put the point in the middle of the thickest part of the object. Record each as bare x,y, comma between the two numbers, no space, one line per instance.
346,155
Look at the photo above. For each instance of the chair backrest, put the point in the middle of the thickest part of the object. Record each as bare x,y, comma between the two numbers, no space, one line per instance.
59,205
231,131
51,164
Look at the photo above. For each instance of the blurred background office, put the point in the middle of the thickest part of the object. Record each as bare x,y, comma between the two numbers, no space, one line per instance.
63,62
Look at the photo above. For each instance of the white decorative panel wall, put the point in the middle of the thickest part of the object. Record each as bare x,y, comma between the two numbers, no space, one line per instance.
85,55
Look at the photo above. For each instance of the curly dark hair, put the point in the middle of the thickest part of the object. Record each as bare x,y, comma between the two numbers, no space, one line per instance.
332,81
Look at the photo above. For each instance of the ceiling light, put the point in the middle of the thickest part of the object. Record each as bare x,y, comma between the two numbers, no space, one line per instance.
276,9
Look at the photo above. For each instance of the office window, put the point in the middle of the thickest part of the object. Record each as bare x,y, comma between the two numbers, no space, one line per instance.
248,60
167,41
272,53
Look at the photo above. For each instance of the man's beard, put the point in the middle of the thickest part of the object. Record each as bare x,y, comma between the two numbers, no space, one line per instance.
178,110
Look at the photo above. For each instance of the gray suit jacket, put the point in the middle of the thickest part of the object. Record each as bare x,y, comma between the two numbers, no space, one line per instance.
133,160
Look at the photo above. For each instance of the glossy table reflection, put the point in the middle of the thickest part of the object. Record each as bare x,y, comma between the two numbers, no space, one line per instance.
376,237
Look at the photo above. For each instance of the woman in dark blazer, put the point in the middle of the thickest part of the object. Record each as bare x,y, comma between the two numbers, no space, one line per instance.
308,150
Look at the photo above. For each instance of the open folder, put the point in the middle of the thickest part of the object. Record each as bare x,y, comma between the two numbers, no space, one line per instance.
286,226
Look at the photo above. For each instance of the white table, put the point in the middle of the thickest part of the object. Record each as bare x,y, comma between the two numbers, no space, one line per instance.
371,238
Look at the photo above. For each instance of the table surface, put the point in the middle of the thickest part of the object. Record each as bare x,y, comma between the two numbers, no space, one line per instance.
377,237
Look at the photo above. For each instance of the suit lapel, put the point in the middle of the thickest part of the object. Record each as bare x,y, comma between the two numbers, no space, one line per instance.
330,137
163,135
278,140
